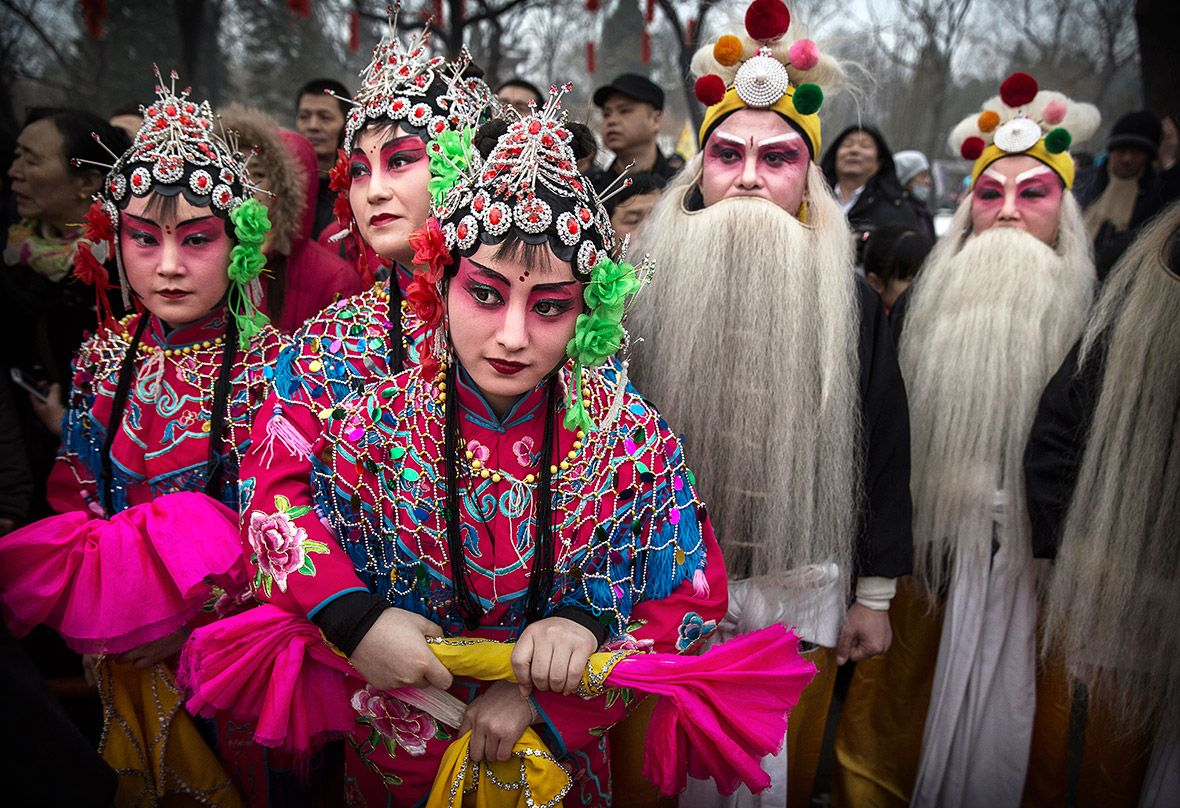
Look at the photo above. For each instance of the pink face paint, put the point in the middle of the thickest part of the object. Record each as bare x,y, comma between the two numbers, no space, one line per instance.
388,193
755,153
1018,191
177,268
509,328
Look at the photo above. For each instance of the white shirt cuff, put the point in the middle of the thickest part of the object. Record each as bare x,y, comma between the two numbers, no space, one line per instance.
875,593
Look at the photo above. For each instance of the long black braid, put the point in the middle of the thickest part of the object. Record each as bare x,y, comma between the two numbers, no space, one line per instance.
541,580
396,359
213,466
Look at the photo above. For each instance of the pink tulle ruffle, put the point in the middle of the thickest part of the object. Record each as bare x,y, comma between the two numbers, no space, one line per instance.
111,585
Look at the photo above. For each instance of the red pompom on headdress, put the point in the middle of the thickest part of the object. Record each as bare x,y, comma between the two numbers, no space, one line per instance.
767,20
710,89
972,147
1018,89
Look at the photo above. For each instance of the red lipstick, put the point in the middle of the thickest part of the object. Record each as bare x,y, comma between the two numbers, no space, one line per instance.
505,367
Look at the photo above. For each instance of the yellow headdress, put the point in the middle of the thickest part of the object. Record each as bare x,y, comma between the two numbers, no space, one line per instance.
763,71
1024,119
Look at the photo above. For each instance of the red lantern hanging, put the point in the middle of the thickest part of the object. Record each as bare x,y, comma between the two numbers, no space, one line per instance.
300,8
592,6
94,12
649,13
354,30
591,61
645,47
690,31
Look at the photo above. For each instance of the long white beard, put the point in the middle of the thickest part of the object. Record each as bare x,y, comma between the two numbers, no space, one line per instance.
749,345
1117,575
987,326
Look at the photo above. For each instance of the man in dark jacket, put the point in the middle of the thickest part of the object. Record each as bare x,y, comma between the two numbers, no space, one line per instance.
859,167
1119,196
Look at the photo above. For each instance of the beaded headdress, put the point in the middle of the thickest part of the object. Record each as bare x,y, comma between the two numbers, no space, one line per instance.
1024,119
529,183
178,150
403,85
762,71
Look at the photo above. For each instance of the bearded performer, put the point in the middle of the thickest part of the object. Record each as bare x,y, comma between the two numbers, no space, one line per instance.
800,425
145,546
1102,470
996,307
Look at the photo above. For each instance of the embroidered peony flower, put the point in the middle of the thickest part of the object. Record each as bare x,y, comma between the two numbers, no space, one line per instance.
597,337
693,629
430,249
523,450
610,285
424,300
409,728
278,544
479,451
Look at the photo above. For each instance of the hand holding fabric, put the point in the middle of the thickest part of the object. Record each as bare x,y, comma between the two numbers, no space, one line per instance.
496,719
394,654
865,633
551,655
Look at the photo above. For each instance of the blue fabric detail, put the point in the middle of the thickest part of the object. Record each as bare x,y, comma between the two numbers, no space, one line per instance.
286,381
331,598
482,414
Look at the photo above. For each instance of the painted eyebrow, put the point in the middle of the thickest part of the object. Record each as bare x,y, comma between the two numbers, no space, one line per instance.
185,223
995,175
728,138
778,140
540,287
1031,173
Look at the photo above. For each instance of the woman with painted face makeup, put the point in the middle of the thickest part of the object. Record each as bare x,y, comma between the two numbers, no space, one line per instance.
145,545
508,488
406,113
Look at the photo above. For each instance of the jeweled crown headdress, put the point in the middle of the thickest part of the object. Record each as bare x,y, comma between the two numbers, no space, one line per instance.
530,181
178,150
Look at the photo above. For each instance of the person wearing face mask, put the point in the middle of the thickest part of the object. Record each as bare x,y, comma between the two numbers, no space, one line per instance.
46,309
861,170
913,172
1111,648
794,411
993,312
509,487
145,545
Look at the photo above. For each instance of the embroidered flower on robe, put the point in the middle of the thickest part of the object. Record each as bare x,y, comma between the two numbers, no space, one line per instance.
397,723
280,546
693,629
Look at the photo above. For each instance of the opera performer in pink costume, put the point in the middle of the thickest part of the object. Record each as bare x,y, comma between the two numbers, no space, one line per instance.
145,546
407,108
508,488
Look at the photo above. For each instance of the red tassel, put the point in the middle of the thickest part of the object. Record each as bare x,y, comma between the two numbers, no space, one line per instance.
300,8
645,47
592,6
354,30
690,31
94,12
649,13
591,61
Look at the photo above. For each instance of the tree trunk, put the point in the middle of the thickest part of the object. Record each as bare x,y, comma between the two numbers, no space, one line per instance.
1158,22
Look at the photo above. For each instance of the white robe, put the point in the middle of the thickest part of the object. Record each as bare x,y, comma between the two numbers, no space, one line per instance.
811,601
975,747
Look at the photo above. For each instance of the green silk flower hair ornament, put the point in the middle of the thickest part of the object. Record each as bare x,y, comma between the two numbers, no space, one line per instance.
246,263
598,333
449,159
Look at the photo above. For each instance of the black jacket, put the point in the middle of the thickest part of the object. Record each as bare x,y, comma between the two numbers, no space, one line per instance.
883,201
1156,190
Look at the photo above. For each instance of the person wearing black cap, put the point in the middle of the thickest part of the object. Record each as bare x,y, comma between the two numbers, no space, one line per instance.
632,111
1119,196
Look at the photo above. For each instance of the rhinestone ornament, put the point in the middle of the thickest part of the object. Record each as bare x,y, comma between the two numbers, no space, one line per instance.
761,80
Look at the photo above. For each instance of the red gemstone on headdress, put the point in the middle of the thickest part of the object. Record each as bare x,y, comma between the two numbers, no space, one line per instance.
202,181
420,112
190,108
478,204
585,215
494,216
170,110
534,127
461,231
547,141
577,186
397,105
572,226
161,123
